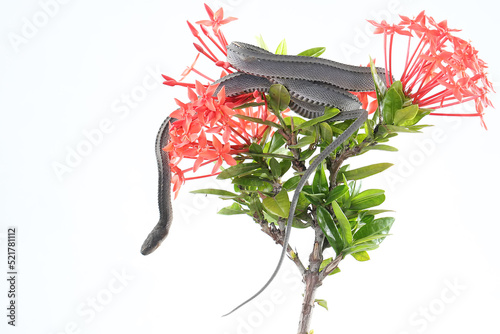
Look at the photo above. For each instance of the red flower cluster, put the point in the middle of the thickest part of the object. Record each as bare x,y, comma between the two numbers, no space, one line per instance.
206,129
443,70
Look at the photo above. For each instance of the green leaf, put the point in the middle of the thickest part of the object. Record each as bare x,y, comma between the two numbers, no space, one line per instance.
279,98
336,193
252,181
367,218
380,148
258,120
279,205
398,86
368,246
297,223
360,137
276,142
363,172
421,113
345,226
325,221
255,148
285,166
367,199
392,103
255,206
354,188
370,238
312,52
265,136
314,200
342,171
296,121
292,183
270,217
380,86
271,155
417,128
377,227
322,303
261,43
329,113
275,167
237,170
395,128
281,50
361,256
250,104
369,127
306,154
325,130
304,141
302,204
234,209
320,183
218,192
405,114
376,212
339,128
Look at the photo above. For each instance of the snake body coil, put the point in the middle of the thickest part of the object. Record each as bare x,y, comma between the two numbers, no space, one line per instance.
313,84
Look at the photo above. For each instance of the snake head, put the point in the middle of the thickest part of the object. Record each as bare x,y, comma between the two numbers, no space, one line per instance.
154,239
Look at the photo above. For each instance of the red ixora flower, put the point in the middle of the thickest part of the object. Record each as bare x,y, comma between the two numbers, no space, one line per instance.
206,129
442,70
216,19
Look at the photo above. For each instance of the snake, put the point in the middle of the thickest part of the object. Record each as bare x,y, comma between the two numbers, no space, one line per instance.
313,84
160,231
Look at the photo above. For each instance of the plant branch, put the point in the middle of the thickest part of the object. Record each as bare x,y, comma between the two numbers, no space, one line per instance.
312,281
331,267
334,164
291,139
278,237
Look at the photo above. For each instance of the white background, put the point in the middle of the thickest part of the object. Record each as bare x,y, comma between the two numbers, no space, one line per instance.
77,233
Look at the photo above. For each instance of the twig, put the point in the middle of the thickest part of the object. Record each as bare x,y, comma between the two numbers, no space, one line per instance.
278,236
312,281
330,267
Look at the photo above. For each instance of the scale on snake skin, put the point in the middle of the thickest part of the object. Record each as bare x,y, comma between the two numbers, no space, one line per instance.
313,84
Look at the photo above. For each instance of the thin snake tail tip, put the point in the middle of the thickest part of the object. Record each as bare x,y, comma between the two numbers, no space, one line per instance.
230,312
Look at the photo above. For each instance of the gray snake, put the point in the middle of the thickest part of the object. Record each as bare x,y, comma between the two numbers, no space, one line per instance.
313,84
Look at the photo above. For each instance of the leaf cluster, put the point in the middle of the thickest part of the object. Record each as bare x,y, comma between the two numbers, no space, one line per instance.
334,202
